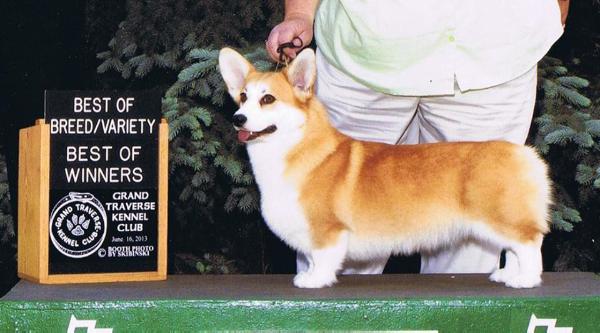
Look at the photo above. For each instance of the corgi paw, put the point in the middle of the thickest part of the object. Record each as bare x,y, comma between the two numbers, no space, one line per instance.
524,281
314,280
502,275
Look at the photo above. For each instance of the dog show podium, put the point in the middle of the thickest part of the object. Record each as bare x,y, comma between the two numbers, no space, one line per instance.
566,302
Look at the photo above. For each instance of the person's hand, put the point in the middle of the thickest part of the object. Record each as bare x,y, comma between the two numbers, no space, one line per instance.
564,10
293,26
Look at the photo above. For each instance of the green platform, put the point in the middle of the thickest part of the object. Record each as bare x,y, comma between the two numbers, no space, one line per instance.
443,303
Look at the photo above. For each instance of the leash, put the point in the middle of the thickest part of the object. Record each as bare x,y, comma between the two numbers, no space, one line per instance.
295,43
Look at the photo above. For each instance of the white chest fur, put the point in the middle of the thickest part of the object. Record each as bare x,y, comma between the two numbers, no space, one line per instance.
280,203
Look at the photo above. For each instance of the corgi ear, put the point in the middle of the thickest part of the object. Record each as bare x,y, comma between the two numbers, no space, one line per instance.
301,74
234,69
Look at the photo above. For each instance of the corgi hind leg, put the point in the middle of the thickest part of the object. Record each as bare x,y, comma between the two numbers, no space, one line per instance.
324,263
530,266
510,269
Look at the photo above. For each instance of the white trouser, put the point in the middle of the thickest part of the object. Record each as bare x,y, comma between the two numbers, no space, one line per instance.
501,112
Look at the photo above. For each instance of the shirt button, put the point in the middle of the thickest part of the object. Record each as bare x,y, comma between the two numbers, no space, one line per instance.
451,38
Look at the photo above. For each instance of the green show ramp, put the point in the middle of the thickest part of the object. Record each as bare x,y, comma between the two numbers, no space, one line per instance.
567,302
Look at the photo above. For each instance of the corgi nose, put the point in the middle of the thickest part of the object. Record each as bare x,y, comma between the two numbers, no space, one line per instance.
239,120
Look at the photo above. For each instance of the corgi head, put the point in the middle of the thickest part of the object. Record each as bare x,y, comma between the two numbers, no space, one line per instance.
271,104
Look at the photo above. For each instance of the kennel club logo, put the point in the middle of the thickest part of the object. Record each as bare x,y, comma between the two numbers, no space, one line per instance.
78,225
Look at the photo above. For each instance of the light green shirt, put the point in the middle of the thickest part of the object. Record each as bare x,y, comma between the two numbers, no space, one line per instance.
419,47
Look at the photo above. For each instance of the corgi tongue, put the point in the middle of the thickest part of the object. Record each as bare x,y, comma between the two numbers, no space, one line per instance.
243,135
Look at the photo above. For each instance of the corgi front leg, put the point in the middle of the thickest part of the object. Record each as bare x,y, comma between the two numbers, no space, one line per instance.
511,268
323,264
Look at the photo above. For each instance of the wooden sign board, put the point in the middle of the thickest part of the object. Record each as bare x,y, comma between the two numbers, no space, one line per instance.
93,189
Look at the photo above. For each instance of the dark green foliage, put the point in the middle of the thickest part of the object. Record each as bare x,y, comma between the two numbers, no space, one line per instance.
205,264
211,171
160,33
203,142
7,232
568,134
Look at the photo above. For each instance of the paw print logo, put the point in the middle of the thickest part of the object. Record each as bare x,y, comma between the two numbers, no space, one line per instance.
78,215
78,224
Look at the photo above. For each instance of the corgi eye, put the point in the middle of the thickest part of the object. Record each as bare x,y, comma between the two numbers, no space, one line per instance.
243,97
267,99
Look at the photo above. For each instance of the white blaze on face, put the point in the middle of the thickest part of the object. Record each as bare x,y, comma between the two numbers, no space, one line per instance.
259,117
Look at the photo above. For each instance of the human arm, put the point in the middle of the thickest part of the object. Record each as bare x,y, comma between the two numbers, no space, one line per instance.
297,22
564,10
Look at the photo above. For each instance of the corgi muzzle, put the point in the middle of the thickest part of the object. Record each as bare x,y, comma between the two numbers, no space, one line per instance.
245,135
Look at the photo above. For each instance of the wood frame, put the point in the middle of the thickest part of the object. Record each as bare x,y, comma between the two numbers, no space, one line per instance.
34,211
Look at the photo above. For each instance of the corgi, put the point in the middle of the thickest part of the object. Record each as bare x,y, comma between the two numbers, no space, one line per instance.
334,198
